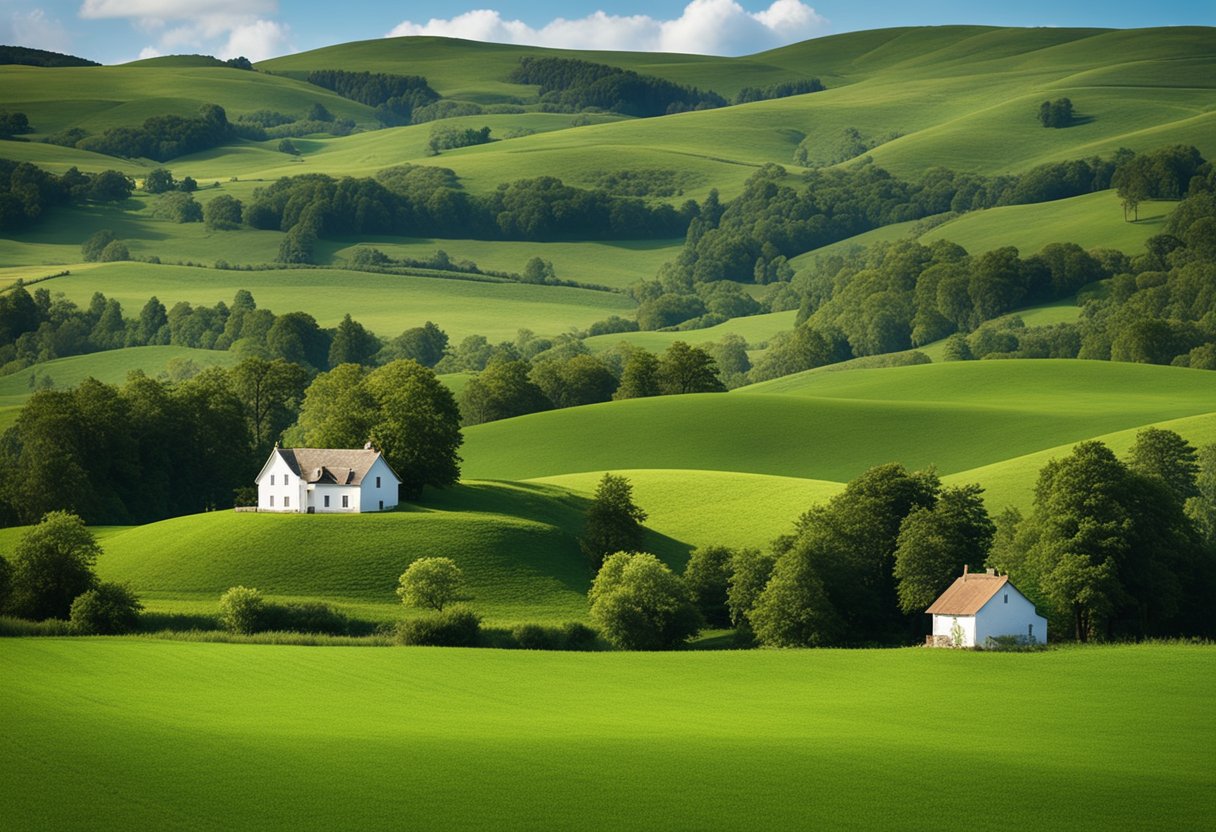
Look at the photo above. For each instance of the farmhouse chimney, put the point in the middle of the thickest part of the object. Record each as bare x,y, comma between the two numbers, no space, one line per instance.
991,571
965,570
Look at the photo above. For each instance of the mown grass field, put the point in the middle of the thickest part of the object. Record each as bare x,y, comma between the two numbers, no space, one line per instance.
386,304
130,733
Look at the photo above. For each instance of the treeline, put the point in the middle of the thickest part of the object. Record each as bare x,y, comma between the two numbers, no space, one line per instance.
427,201
572,85
261,125
781,89
567,375
25,56
27,191
779,216
150,449
1113,549
395,97
164,137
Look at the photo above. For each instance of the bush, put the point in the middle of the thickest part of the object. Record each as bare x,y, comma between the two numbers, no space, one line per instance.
573,635
242,610
108,610
223,213
430,582
92,248
305,617
114,252
640,604
456,626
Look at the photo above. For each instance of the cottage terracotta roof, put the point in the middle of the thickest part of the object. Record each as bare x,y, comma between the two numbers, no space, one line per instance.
329,465
968,594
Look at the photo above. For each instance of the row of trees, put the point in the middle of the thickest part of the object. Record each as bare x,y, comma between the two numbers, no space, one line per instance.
395,97
573,85
164,137
27,192
780,89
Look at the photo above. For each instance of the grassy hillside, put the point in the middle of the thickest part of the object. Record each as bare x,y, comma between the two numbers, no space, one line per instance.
130,733
833,426
386,304
111,367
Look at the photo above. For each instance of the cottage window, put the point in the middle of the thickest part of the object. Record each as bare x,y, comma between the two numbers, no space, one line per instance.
286,502
377,482
272,479
1006,597
345,501
382,505
272,501
327,501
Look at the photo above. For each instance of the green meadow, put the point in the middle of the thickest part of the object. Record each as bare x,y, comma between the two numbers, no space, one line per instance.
133,733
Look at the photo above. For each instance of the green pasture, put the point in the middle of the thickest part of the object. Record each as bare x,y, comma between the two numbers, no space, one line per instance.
111,367
386,304
139,733
833,426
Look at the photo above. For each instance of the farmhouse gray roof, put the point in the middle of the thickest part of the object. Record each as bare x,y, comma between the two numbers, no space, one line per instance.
337,466
968,594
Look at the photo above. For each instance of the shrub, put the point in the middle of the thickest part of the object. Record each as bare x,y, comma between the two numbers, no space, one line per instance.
223,213
305,617
92,248
573,635
110,609
640,604
456,626
579,636
242,610
430,582
52,565
114,252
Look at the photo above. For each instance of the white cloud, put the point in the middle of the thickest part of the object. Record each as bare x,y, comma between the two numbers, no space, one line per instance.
257,41
149,52
713,27
173,9
34,29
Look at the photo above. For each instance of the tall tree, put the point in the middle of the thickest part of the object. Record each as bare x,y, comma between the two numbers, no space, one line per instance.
352,344
614,521
338,410
1168,457
936,543
52,564
687,369
271,393
640,377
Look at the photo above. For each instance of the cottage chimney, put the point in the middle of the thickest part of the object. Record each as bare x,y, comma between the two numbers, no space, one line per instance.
367,446
965,569
991,571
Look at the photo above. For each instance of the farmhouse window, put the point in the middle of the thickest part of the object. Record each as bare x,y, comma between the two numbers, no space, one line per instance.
382,505
272,501
272,479
345,501
377,482
286,502
1006,597
327,501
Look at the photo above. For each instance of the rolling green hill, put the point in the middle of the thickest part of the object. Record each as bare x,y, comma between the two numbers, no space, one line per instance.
832,426
129,733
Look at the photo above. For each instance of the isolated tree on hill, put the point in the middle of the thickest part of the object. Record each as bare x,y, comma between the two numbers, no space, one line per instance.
159,181
1168,457
936,543
614,522
223,213
1056,113
707,577
638,603
640,377
687,369
52,565
432,583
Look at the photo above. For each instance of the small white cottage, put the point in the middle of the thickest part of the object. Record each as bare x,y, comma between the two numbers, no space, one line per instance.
323,480
979,605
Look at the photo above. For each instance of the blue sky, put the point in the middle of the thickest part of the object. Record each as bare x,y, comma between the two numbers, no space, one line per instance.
113,31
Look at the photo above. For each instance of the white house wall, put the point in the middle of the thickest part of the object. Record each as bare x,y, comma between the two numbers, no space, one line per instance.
1012,618
943,625
288,490
386,491
335,493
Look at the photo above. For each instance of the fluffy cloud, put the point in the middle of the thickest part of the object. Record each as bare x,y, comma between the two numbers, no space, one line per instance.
34,29
226,28
713,27
173,9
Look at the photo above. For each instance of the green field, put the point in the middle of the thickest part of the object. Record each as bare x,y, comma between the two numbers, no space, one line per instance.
134,733
386,304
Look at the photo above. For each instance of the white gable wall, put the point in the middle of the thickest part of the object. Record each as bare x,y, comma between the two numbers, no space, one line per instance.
1009,613
386,492
319,491
943,625
279,489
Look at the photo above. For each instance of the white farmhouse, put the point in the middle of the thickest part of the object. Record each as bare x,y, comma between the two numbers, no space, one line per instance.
979,605
323,480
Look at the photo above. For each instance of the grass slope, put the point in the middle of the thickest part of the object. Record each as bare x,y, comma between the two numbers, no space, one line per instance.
386,304
130,733
111,367
833,426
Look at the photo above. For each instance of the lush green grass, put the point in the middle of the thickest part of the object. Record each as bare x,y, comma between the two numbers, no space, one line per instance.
832,426
131,733
705,508
111,367
515,542
386,304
